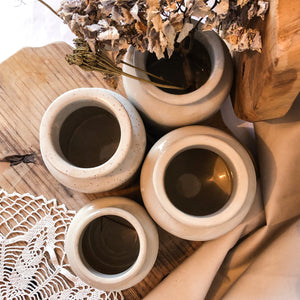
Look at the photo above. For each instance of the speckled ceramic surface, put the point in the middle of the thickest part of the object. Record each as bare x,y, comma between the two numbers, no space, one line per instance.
92,139
119,248
195,198
165,110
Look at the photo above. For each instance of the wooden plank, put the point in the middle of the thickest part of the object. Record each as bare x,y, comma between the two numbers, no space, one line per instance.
29,81
267,83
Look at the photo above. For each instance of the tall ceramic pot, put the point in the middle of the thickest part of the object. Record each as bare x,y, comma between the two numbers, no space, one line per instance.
165,110
112,243
92,140
198,182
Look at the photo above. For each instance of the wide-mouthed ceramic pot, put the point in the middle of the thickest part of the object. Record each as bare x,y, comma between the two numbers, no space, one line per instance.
198,182
112,243
164,110
92,139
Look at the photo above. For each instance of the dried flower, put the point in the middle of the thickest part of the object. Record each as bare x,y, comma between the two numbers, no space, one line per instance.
110,26
155,26
99,61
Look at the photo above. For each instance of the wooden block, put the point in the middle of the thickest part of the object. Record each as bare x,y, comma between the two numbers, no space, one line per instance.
267,83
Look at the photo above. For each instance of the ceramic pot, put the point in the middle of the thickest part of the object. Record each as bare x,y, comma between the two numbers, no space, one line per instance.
112,243
92,140
164,110
198,182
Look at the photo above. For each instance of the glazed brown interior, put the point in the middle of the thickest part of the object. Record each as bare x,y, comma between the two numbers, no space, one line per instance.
110,245
198,182
89,136
189,71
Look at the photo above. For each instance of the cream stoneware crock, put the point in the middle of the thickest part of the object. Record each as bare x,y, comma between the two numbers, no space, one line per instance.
112,243
92,139
164,110
198,182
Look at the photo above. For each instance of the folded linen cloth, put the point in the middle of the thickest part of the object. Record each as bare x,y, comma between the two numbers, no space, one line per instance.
259,259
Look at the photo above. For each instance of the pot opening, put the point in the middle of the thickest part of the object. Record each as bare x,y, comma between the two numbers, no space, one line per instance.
198,182
188,68
89,136
109,245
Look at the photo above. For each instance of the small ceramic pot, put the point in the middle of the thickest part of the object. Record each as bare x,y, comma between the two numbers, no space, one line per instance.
92,140
164,110
198,182
112,243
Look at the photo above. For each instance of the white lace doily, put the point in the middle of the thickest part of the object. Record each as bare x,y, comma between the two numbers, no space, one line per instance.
33,264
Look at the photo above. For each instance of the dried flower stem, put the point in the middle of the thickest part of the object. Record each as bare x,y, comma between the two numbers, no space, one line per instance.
87,67
145,72
49,7
87,60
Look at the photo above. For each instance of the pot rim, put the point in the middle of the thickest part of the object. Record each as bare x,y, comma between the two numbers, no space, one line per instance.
213,44
240,177
88,273
56,114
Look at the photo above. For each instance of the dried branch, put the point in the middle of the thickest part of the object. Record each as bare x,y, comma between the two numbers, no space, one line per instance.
17,159
87,60
110,26
49,7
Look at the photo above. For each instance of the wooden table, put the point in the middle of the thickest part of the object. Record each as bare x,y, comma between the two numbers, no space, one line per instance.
29,81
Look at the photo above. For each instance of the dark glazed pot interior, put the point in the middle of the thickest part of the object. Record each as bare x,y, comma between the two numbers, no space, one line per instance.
198,182
187,68
89,136
110,245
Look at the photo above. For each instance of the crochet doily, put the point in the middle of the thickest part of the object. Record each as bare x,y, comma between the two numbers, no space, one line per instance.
33,263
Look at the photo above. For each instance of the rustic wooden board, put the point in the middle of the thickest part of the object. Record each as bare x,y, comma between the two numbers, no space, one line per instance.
29,81
267,83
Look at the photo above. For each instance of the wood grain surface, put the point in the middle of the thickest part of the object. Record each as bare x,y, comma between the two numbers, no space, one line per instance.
29,81
267,83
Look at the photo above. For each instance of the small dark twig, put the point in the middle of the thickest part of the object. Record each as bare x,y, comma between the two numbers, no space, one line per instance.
215,4
179,5
17,159
21,2
48,6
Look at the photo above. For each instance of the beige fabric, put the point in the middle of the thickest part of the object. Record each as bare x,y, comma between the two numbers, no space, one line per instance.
260,259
